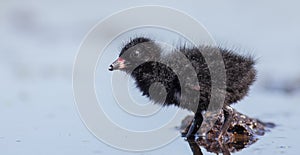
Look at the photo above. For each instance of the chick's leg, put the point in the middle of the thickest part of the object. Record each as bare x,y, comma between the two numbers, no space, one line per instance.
228,115
196,123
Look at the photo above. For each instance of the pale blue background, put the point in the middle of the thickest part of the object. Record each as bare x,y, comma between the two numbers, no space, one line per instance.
38,45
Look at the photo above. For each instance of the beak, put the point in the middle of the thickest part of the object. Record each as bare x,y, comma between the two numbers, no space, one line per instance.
117,65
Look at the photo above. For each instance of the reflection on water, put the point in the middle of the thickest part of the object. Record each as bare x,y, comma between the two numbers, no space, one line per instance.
217,147
242,132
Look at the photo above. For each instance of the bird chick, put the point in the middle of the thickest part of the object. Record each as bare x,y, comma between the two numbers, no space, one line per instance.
183,78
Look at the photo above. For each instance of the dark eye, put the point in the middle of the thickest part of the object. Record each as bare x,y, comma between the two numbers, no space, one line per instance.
136,54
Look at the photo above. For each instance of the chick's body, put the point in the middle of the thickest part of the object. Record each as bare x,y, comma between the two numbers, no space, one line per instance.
239,73
183,78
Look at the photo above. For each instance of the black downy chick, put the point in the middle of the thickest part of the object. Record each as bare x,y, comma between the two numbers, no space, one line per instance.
165,79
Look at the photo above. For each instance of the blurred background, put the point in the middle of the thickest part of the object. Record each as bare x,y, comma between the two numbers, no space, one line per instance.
39,40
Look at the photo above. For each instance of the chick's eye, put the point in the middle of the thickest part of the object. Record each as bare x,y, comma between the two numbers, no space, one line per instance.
136,54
